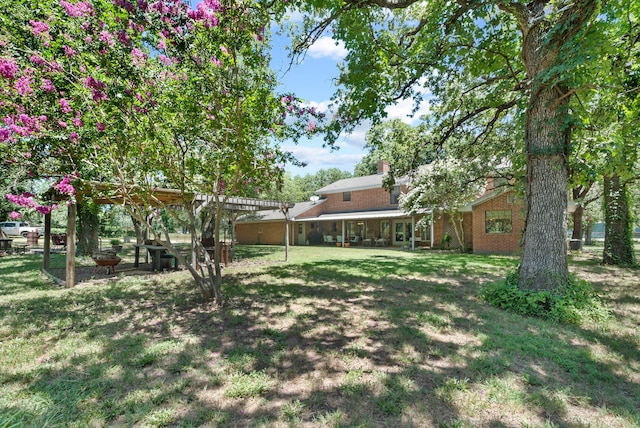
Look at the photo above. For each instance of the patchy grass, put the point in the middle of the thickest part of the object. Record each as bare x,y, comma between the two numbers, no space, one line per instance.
347,337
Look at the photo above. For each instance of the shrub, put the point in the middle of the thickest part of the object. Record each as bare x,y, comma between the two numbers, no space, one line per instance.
575,303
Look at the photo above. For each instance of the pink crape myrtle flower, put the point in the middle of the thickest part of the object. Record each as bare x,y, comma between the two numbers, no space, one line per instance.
311,126
47,86
8,68
24,200
46,209
80,9
23,85
65,106
106,37
68,51
65,186
14,215
38,27
138,58
5,135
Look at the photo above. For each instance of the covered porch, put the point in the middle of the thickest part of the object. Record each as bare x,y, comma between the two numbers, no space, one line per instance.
378,228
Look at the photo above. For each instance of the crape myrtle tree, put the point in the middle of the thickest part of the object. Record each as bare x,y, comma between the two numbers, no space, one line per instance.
66,76
211,134
144,95
525,57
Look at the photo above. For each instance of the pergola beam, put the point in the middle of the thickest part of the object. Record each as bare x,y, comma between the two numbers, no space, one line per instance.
162,197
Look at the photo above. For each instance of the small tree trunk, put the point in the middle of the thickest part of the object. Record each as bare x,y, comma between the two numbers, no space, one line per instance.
88,230
618,243
587,233
140,231
577,223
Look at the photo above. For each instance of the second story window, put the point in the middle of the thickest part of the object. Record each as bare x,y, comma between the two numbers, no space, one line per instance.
346,196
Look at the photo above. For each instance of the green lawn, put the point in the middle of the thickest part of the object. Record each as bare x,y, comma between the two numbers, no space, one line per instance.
336,337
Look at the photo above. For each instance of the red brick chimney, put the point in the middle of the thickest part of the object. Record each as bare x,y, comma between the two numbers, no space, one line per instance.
383,167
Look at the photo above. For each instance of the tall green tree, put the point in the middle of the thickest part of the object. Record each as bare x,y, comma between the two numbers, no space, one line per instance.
405,147
524,57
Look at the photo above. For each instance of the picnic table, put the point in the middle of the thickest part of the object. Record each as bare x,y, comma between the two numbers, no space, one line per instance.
158,252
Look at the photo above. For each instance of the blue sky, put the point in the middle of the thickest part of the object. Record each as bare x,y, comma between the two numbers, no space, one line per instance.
312,80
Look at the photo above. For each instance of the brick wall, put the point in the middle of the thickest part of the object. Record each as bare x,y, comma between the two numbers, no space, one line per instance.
443,223
268,233
498,243
361,200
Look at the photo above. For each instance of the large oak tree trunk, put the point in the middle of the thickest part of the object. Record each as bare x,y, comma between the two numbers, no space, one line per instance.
618,243
544,253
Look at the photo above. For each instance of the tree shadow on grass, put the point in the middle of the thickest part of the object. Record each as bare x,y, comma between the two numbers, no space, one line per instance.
375,342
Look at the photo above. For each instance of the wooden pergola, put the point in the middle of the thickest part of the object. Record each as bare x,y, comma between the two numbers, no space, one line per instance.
112,195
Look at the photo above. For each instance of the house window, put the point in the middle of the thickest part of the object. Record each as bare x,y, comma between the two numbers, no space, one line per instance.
385,229
498,221
424,232
395,195
346,196
351,229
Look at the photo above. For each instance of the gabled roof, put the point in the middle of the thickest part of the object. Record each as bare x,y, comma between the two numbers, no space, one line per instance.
486,197
277,215
356,183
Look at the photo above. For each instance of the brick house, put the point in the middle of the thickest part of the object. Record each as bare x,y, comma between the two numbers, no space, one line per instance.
360,212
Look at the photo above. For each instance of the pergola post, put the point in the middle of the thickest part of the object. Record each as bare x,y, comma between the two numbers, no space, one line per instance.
47,241
71,246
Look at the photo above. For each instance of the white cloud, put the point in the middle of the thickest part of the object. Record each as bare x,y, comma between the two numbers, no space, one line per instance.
402,110
356,138
326,47
294,16
318,158
321,106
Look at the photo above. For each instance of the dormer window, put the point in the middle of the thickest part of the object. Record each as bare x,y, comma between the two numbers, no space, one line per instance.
346,196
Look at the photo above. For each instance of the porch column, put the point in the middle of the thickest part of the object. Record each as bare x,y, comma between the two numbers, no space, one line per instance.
432,218
343,234
413,233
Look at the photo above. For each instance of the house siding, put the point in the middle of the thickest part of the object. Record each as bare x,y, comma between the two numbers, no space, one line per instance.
494,243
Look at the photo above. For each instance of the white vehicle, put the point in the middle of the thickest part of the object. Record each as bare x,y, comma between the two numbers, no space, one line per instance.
19,228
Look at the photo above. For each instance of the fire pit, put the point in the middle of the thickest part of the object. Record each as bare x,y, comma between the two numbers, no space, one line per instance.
107,261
